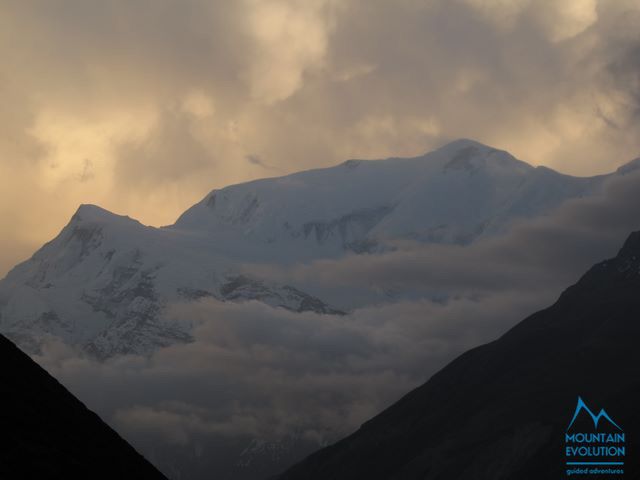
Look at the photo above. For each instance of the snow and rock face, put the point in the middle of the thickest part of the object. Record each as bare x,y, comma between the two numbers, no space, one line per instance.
104,283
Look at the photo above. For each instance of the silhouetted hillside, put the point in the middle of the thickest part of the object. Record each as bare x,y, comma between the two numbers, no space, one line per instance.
48,434
500,411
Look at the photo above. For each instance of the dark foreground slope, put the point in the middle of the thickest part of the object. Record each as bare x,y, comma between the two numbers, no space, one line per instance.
500,411
47,433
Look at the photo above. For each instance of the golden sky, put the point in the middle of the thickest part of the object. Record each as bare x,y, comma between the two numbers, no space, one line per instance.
144,106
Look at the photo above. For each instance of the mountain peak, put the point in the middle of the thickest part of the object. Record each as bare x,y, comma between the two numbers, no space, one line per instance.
466,154
631,246
461,143
89,213
629,167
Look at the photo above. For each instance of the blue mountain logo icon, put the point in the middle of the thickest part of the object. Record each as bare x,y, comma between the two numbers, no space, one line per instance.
596,418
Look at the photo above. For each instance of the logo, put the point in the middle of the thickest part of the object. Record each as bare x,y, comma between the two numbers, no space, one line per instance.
595,447
596,418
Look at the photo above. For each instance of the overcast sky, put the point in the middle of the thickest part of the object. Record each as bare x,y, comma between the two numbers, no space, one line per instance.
143,107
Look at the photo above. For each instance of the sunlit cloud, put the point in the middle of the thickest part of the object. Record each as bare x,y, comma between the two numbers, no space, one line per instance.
145,107
291,38
75,143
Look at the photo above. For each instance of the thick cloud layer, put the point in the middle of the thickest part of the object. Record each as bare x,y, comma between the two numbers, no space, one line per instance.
145,106
256,372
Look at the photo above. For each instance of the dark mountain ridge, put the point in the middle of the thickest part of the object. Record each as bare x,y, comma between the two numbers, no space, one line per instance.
48,433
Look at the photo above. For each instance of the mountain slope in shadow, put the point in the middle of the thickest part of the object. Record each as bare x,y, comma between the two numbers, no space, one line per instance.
48,433
500,411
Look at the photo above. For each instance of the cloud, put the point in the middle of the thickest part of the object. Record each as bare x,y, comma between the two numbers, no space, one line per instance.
558,20
258,373
177,423
167,154
291,37
168,99
256,160
252,372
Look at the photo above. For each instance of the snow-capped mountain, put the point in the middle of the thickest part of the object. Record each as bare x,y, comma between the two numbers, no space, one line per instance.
105,281
455,194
